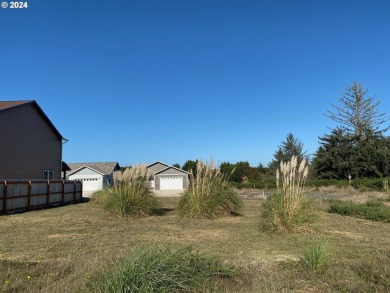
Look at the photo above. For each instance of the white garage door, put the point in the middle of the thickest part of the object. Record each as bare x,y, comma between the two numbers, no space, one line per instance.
90,183
171,182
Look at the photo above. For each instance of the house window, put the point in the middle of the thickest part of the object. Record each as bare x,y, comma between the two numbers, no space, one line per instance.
48,174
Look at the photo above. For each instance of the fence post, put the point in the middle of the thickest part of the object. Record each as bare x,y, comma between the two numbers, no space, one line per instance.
63,191
74,191
5,198
48,193
29,195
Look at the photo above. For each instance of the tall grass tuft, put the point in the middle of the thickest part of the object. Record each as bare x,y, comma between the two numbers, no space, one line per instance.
209,194
316,256
159,268
130,194
286,209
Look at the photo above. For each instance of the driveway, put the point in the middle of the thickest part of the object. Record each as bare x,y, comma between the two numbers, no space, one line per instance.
168,193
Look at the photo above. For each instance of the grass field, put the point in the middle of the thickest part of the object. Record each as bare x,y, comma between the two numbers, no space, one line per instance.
58,250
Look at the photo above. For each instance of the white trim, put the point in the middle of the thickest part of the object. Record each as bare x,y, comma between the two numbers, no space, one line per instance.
85,166
157,162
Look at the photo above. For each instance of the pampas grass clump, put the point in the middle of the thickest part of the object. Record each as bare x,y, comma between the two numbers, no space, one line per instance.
130,194
209,194
287,209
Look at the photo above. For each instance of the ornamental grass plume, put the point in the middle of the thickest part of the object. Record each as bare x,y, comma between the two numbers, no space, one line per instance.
292,183
285,210
130,194
209,194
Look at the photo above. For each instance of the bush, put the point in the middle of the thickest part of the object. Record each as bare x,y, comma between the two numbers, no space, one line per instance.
286,209
130,194
374,210
209,194
316,255
158,268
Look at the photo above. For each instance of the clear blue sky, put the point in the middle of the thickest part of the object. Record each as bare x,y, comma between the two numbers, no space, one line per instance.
138,81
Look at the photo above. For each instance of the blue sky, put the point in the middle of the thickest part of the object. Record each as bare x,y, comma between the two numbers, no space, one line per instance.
139,81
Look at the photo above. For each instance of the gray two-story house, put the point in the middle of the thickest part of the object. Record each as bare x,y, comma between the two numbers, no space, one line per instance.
30,145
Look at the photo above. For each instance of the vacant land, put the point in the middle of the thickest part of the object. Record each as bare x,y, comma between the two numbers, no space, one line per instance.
58,250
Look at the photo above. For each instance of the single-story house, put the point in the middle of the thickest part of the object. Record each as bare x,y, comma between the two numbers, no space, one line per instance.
30,145
167,177
95,176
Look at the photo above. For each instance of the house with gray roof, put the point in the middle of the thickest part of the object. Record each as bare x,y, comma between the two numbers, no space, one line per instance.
30,145
95,176
166,177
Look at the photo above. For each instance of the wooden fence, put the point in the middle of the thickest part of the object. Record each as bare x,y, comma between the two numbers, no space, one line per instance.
24,195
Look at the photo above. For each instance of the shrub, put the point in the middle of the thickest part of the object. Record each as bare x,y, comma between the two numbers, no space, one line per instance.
209,194
316,255
130,194
158,268
374,210
286,209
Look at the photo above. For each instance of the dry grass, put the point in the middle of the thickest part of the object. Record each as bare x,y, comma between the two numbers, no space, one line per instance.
350,193
61,248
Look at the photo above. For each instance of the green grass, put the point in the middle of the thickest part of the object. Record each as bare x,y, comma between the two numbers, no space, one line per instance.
161,269
374,210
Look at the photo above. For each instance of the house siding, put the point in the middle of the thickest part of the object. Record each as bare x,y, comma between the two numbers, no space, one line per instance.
28,145
157,167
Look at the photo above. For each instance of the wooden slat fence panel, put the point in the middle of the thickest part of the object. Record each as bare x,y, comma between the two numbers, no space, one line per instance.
18,195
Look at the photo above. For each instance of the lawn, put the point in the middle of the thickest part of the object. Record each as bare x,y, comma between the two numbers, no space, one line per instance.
58,250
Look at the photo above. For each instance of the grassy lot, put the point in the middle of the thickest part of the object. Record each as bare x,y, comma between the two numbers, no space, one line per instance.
58,250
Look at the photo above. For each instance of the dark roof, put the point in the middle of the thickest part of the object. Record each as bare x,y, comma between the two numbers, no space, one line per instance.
6,105
105,168
65,167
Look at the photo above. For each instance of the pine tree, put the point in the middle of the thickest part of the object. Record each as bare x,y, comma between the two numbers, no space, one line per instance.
290,147
358,113
357,147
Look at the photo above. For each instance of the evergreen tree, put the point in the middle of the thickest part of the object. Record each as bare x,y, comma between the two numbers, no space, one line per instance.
358,113
357,147
190,166
290,147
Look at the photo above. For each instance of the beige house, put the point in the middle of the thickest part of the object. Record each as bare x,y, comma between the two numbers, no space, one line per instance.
95,176
30,145
167,177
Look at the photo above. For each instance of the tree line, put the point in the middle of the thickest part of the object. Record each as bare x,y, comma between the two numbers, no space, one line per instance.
356,147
